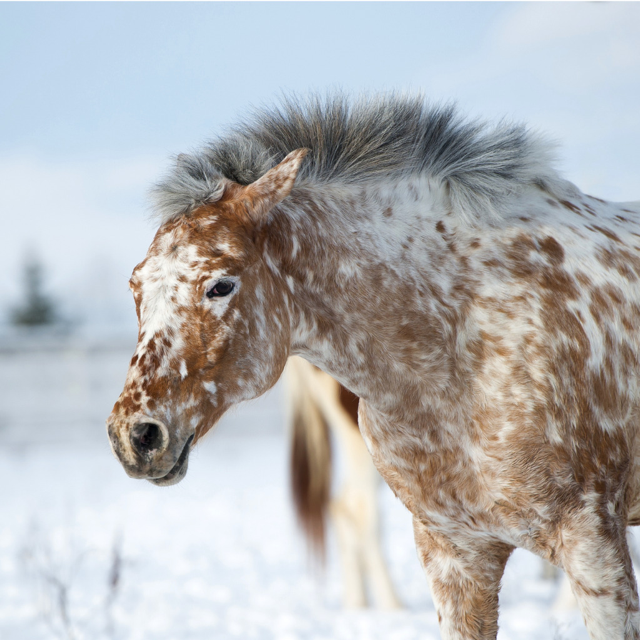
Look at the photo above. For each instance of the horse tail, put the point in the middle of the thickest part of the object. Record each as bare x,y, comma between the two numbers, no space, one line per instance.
310,455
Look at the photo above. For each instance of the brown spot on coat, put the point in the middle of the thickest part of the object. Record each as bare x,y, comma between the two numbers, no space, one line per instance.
553,249
610,234
571,207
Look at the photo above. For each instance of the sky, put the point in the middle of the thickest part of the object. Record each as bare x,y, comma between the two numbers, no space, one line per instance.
97,98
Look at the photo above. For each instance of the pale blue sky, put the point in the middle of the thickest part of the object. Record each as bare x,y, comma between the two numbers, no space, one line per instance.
87,79
96,97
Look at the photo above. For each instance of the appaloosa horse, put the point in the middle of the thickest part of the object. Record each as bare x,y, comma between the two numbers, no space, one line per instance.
485,311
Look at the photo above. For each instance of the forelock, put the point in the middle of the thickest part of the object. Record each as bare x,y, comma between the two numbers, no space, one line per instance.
194,181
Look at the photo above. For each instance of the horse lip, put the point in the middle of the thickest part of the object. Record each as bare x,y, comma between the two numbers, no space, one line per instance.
179,469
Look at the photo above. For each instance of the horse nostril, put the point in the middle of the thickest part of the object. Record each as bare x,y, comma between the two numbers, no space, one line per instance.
146,437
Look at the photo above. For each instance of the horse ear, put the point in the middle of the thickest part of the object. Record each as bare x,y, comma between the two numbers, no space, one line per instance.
273,187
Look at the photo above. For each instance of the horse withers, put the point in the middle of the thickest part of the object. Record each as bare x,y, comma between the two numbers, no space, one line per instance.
486,312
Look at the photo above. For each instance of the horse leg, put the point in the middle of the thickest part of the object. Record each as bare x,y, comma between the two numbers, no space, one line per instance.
375,565
349,543
356,511
595,556
565,600
549,572
465,582
355,516
366,509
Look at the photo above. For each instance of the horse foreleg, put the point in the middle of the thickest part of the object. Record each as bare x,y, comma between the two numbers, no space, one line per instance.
596,558
465,582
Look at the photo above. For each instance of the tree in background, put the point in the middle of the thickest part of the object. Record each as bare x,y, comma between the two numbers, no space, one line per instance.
37,309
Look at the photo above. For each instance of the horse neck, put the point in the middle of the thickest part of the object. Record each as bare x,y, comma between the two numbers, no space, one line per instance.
370,277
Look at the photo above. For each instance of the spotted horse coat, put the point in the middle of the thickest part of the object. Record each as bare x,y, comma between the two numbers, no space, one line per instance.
485,311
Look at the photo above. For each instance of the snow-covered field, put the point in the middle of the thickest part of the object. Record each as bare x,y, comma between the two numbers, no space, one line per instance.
87,553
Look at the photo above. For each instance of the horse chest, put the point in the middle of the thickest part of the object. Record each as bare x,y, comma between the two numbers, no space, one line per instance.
437,480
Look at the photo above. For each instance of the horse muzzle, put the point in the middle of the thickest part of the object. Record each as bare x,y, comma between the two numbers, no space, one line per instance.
147,451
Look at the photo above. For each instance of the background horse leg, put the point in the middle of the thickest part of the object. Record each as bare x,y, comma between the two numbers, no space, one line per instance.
565,600
356,515
464,582
356,510
353,594
595,556
549,571
379,581
318,404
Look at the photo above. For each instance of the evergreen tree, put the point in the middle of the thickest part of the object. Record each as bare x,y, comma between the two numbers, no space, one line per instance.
37,309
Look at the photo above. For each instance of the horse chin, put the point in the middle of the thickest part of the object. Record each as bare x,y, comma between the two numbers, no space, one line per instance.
179,469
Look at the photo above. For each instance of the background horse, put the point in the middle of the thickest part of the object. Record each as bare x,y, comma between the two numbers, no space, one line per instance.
318,406
486,312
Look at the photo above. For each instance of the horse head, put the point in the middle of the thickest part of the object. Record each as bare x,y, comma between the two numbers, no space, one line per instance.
214,326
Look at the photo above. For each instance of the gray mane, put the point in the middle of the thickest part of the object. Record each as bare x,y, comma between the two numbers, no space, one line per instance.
353,142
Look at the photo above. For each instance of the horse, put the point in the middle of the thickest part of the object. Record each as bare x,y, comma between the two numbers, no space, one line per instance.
485,311
319,407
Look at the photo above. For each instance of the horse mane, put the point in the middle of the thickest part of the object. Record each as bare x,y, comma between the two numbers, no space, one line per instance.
353,142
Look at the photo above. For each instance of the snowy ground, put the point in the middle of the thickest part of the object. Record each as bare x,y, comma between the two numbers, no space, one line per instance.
216,557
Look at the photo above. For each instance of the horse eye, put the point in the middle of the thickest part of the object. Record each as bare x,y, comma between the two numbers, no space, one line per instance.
222,288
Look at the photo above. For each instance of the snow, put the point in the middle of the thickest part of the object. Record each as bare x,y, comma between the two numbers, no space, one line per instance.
215,557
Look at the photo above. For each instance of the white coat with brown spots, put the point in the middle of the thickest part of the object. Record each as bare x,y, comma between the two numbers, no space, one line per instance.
496,356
